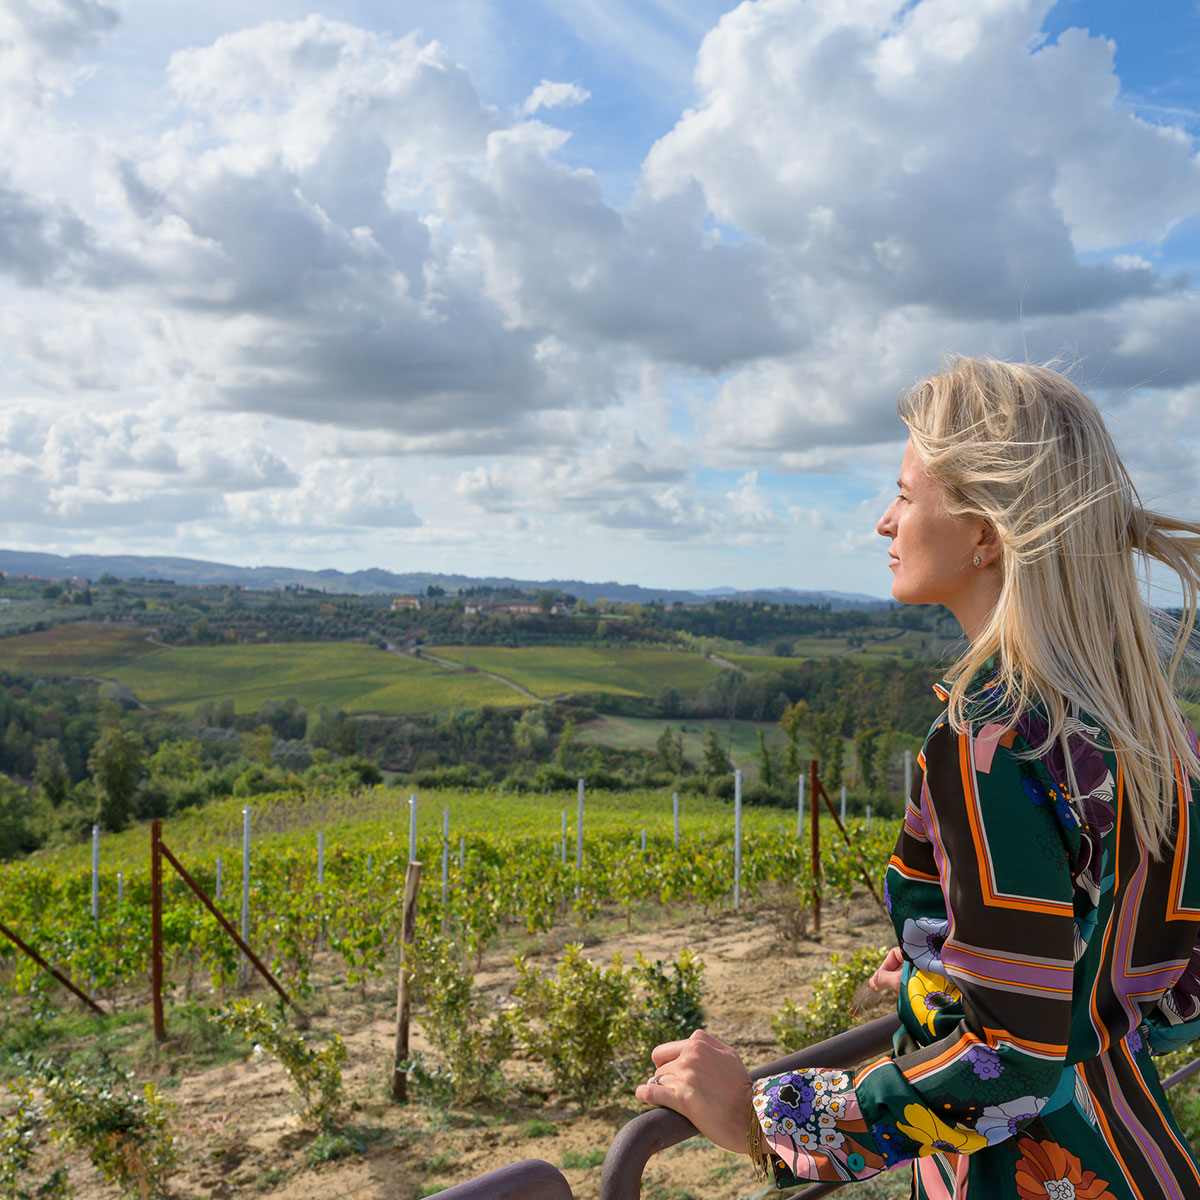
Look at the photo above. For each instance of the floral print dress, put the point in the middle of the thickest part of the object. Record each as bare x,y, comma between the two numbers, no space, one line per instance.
1046,957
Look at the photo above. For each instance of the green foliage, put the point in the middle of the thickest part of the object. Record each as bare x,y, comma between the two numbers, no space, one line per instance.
471,1044
126,1133
670,1008
579,1022
18,1143
669,749
714,761
330,1146
867,745
828,1012
583,1160
115,763
1184,1097
590,1025
17,835
315,1071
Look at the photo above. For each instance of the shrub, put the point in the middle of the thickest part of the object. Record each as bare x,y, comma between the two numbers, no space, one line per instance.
18,1142
471,1045
828,1012
590,1026
125,1133
671,1006
578,1022
315,1072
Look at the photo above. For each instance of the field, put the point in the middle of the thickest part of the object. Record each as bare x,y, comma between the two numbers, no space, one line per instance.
739,738
356,677
555,670
83,648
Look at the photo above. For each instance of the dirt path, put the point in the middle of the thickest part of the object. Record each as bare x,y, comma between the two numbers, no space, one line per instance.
450,664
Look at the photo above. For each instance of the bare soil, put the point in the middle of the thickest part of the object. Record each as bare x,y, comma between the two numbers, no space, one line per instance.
240,1136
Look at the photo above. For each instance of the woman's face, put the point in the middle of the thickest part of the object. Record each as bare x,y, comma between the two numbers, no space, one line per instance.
931,552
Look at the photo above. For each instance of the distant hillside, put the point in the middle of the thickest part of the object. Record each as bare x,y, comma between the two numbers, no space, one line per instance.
376,580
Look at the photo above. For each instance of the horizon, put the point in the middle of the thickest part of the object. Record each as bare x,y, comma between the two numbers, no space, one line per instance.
620,290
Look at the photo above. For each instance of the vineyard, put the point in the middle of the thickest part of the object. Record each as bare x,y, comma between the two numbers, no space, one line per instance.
494,873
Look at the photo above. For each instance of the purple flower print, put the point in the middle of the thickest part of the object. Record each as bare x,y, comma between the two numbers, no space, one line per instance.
985,1062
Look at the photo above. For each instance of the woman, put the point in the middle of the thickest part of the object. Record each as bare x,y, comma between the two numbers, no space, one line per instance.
1045,887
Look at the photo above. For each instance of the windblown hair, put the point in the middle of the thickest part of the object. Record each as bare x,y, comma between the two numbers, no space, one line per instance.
1023,448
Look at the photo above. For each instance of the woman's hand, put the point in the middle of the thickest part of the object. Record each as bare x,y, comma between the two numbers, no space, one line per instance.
704,1079
887,974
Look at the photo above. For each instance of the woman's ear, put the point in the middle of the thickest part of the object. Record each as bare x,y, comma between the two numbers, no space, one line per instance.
987,545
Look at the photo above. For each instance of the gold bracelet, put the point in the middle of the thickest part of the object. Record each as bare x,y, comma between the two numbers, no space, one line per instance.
754,1148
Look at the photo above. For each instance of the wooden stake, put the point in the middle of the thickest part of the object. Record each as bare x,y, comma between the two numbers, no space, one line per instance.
815,827
156,936
412,881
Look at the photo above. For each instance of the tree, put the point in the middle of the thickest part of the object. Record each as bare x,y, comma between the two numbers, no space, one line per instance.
257,744
669,701
50,772
566,746
867,742
714,761
794,719
669,749
176,758
16,832
766,767
837,761
530,734
823,732
116,764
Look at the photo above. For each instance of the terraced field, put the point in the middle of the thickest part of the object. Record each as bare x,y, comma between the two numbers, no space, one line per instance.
553,670
355,677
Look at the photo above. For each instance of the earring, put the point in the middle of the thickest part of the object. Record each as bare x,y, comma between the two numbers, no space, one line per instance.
975,561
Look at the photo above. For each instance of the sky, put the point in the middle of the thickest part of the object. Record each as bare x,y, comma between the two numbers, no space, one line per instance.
598,289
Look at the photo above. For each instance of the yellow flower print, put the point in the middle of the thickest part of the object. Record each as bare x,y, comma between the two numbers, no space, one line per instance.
934,1134
928,993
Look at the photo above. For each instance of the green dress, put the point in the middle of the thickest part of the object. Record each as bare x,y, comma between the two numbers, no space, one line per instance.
1047,956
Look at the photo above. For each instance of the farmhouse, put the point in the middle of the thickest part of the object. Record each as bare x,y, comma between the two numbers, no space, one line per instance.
401,603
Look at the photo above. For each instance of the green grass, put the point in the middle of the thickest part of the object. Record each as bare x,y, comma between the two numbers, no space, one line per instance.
354,676
583,1159
554,670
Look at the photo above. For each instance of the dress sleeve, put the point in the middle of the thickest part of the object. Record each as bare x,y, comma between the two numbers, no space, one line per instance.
989,1006
1175,1019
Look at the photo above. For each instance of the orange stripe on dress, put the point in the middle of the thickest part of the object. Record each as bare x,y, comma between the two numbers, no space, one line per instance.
990,896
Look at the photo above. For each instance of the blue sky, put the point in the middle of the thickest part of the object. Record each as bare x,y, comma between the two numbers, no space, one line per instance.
604,290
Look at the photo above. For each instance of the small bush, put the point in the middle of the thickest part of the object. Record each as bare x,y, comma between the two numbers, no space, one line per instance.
592,1028
671,1006
471,1044
828,1012
18,1142
315,1072
578,1022
125,1133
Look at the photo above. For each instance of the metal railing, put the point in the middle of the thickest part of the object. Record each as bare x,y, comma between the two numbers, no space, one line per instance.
656,1130
529,1179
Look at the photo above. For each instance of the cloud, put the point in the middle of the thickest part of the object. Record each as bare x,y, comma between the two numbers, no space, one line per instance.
548,94
39,42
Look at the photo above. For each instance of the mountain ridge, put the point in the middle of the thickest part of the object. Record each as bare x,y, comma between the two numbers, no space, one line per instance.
379,581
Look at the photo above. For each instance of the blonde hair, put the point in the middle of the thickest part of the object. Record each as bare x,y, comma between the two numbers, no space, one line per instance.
1023,448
